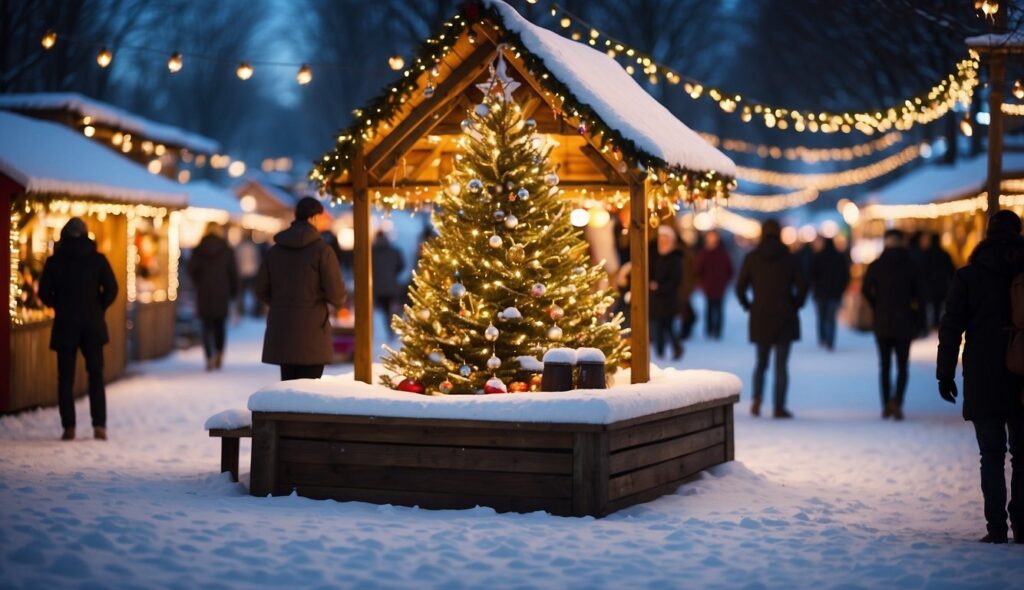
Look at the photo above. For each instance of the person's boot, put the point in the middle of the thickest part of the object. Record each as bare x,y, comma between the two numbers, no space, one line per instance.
218,360
994,539
897,414
783,413
209,363
69,434
677,352
99,432
889,410
755,407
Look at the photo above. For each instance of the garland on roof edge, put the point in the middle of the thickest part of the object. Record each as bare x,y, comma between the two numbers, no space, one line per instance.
672,183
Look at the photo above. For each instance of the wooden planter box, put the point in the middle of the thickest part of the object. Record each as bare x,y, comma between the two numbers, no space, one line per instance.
564,469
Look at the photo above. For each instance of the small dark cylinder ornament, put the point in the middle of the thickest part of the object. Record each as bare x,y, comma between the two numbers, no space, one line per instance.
591,366
558,365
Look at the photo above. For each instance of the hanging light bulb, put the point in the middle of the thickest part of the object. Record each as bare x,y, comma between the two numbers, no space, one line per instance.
396,62
304,75
104,57
965,125
566,23
244,71
1018,90
49,39
990,7
174,63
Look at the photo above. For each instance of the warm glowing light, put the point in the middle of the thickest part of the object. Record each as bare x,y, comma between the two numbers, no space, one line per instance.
396,62
244,71
829,229
154,166
184,176
579,217
965,125
599,217
565,22
236,168
89,131
104,57
247,203
49,39
703,221
174,63
304,75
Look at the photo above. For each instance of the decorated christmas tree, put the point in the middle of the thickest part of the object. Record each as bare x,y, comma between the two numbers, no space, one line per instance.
508,277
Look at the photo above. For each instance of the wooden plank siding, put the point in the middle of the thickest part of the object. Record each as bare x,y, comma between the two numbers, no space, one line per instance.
565,469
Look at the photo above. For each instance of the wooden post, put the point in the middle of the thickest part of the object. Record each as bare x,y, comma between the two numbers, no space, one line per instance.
590,473
363,268
996,80
229,449
640,342
263,460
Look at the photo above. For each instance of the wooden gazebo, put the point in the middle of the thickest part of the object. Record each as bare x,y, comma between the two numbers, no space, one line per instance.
613,141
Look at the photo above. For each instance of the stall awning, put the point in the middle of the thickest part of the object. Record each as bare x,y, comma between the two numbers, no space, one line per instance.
206,195
50,159
110,116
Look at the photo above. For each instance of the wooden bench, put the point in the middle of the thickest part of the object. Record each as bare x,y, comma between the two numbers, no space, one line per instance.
230,440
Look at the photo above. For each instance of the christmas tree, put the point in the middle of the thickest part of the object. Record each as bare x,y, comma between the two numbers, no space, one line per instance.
507,276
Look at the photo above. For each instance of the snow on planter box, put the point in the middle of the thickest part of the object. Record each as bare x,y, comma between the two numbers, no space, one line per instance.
579,452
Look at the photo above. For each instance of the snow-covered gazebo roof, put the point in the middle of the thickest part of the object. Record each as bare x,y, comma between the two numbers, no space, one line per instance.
203,194
110,116
49,159
609,130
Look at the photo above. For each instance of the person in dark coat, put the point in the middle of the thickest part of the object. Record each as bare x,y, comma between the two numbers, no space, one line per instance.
830,275
214,274
687,285
938,268
298,279
894,289
666,275
79,285
388,264
714,271
979,306
773,273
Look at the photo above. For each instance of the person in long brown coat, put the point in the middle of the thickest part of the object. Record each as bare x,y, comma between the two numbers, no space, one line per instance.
298,279
215,278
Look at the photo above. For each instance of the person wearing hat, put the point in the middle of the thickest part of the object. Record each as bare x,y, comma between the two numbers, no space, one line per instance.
79,285
773,273
298,279
894,288
978,308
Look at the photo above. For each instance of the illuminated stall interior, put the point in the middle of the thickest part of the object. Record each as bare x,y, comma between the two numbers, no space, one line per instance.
162,149
49,173
612,143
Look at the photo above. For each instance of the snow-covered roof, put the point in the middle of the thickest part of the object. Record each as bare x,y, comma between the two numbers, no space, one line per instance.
936,182
109,115
205,194
48,158
1014,39
599,81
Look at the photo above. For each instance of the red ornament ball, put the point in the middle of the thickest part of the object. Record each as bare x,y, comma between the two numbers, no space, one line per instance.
518,387
411,385
495,385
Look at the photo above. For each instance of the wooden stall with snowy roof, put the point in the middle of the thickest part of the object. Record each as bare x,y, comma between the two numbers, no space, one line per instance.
47,174
613,141
162,148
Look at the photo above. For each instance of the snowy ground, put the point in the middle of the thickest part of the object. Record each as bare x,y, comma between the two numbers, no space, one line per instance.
834,499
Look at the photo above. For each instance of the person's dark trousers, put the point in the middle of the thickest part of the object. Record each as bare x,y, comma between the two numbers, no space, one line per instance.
246,286
827,310
888,347
687,320
713,318
67,358
213,336
386,305
663,328
937,305
992,442
292,372
781,350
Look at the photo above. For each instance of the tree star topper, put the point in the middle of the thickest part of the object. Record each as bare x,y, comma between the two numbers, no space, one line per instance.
500,82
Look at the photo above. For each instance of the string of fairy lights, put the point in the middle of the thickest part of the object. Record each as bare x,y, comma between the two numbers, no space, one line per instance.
956,88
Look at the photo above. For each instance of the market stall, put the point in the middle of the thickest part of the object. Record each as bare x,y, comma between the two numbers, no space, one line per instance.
49,173
500,123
